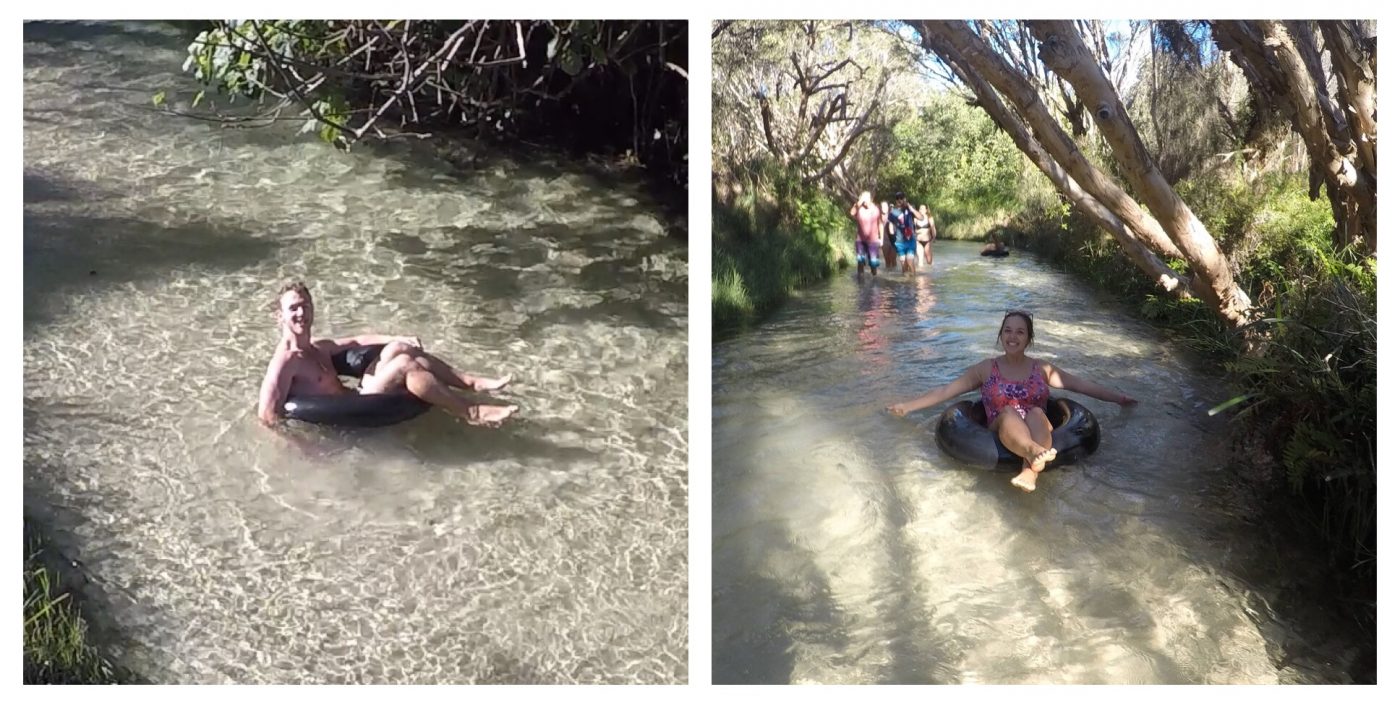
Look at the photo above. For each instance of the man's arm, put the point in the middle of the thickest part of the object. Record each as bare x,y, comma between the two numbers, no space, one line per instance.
274,390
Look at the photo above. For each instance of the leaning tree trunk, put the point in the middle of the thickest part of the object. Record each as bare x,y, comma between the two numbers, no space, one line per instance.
1211,279
1165,278
1285,72
1330,145
1062,49
1024,97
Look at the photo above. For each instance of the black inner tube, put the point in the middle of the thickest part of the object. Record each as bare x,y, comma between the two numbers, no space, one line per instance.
369,410
962,433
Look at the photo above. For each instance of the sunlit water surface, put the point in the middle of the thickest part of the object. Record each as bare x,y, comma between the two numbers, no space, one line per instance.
553,550
849,549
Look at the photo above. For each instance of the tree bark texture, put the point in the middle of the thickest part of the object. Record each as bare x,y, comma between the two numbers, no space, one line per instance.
1167,279
1285,69
1063,50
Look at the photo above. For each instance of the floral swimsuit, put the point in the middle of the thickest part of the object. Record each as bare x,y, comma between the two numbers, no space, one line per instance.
1023,395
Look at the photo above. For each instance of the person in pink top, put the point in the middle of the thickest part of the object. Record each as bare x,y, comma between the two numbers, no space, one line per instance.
867,218
1015,389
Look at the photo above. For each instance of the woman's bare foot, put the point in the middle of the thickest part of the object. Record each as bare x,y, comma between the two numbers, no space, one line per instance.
1026,480
490,416
484,384
1037,463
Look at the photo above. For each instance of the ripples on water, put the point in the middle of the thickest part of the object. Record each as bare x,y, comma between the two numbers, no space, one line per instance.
553,550
849,549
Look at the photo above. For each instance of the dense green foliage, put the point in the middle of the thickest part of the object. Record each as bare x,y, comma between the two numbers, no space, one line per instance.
607,87
775,237
951,157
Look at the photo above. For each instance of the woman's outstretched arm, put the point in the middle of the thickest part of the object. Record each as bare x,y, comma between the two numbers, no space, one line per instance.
1063,379
969,381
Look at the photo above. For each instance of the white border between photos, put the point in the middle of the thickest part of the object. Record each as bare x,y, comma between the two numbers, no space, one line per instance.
700,13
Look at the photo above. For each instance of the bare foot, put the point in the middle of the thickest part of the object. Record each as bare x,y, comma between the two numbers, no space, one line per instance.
491,416
1026,480
485,384
1037,463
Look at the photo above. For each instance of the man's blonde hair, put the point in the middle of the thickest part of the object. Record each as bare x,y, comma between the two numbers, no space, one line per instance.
297,287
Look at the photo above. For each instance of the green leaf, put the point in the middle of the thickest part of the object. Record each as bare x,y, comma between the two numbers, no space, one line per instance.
1231,403
158,99
570,61
331,134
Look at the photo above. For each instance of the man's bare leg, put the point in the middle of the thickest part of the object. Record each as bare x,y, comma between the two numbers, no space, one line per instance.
427,387
404,371
442,370
461,379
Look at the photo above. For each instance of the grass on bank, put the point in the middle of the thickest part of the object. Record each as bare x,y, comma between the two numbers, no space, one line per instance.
764,252
1306,399
56,646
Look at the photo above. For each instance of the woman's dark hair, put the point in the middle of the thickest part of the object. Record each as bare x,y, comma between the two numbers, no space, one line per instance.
1030,325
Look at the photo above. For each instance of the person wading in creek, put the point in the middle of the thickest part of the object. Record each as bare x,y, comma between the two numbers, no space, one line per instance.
867,218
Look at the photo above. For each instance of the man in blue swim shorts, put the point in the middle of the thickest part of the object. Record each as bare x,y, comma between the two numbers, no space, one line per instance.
906,247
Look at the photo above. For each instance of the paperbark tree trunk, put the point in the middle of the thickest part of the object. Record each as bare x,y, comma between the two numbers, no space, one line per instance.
1064,51
1168,280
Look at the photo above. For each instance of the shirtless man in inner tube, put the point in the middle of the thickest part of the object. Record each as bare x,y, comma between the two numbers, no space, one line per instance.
301,366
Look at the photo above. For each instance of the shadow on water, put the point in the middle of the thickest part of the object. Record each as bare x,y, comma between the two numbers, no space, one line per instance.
917,656
766,656
39,189
459,154
146,34
1084,599
632,296
622,313
441,438
68,254
71,559
764,620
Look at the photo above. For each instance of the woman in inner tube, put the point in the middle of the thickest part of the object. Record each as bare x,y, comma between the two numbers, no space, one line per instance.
1015,390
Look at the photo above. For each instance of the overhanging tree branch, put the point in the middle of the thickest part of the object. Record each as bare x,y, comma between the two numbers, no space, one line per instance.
1064,52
